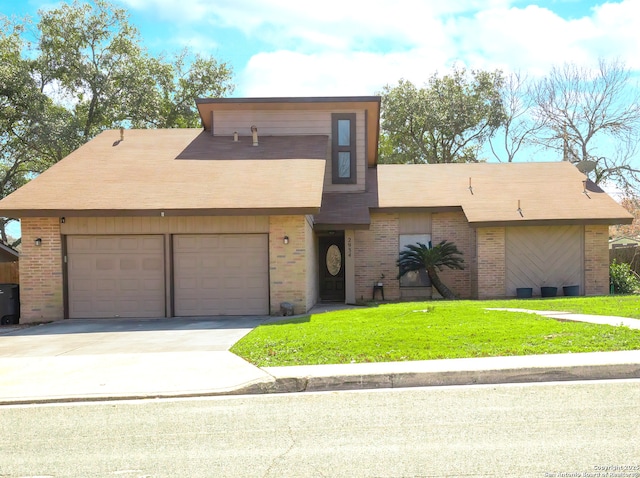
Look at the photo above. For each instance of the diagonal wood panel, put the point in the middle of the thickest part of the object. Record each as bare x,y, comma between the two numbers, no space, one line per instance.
540,256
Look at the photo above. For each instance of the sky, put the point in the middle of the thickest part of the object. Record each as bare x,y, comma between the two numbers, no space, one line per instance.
344,48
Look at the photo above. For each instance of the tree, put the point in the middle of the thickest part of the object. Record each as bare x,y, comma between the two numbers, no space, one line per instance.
592,115
446,121
87,72
631,204
519,127
433,259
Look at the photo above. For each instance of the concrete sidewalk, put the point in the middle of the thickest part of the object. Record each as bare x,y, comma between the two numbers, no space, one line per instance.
129,359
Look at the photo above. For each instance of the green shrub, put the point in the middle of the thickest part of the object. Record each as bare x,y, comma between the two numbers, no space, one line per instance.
623,279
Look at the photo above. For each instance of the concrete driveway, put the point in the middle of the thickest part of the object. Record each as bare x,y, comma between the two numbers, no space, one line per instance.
125,358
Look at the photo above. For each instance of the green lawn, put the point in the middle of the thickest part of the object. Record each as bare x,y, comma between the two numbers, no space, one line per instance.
439,329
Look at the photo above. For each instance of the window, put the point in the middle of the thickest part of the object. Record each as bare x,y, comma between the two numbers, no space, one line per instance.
343,148
415,278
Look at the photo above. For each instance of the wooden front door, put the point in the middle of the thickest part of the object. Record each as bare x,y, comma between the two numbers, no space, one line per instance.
332,267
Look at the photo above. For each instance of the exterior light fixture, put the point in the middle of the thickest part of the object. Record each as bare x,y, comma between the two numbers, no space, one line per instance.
38,242
285,240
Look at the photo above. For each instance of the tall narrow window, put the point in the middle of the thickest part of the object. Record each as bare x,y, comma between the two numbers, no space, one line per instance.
343,148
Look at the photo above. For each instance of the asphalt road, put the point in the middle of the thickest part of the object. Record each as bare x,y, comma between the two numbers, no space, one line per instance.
539,430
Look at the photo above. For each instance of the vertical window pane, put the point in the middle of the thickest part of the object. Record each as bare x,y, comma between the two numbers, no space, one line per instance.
344,132
344,164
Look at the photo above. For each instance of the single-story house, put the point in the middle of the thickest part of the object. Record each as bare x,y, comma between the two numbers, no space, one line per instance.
282,200
624,241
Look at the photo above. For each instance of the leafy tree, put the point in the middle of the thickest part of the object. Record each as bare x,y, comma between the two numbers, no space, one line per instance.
446,121
433,259
87,72
592,115
632,204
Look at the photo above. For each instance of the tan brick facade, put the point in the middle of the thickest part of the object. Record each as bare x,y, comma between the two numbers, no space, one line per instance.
41,284
288,263
453,227
491,262
596,260
376,253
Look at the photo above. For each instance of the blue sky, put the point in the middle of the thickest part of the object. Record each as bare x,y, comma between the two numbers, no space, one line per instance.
291,48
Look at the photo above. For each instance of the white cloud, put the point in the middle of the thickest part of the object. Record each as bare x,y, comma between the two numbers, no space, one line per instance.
286,73
343,47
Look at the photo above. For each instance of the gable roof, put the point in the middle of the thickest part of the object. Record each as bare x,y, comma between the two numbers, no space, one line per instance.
142,175
546,193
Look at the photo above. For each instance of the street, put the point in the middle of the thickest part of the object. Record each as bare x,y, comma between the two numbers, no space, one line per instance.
538,430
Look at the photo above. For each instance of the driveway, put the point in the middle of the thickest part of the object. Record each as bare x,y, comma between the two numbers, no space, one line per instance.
125,358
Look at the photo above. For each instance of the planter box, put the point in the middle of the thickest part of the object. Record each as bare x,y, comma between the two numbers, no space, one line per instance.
548,291
571,290
524,292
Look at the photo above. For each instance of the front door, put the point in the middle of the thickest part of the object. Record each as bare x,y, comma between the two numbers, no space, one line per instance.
332,267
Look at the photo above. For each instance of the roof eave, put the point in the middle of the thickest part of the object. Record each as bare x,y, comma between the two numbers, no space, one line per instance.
274,211
552,222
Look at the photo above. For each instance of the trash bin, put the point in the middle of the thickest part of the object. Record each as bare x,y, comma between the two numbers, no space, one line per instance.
9,304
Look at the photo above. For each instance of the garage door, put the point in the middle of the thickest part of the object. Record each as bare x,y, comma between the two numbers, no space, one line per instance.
116,276
539,256
221,274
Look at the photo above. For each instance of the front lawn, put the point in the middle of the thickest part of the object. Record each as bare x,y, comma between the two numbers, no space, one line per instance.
437,330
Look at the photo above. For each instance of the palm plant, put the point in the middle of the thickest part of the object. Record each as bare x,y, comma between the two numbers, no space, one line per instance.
433,259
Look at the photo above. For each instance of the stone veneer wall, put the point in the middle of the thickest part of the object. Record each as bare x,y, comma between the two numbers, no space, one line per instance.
376,253
596,260
491,262
453,227
41,283
288,262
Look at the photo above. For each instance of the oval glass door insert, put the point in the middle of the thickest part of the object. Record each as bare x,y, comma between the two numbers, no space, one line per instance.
334,260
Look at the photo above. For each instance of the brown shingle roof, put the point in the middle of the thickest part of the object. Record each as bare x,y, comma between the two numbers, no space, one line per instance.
546,192
141,175
207,147
349,210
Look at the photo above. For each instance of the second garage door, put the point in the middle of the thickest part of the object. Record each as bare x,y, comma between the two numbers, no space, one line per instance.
221,274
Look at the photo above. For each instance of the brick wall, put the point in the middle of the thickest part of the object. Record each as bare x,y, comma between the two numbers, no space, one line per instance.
288,262
491,262
376,253
41,284
453,227
596,260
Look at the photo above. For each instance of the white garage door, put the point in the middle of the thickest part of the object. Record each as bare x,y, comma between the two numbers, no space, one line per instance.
221,274
116,276
539,256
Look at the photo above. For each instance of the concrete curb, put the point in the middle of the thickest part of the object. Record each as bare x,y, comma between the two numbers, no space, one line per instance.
491,370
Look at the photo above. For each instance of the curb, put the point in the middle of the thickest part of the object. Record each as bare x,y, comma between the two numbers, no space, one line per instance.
438,379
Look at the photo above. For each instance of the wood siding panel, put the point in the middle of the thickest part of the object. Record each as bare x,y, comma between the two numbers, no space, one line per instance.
272,123
415,223
9,272
165,225
544,256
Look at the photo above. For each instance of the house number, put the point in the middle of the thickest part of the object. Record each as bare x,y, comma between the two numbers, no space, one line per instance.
348,247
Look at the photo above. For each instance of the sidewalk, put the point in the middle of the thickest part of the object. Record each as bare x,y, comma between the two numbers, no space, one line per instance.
192,359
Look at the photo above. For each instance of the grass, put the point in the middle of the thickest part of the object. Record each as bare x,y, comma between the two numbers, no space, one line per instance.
439,329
